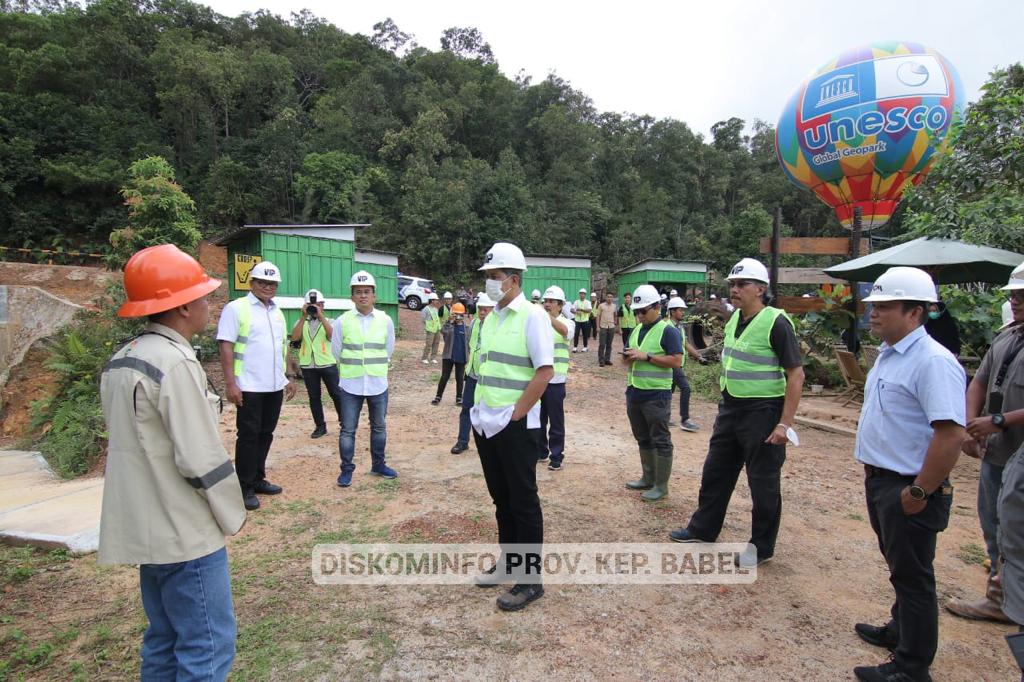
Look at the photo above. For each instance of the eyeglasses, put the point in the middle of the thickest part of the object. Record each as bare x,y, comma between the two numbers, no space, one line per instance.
265,284
740,283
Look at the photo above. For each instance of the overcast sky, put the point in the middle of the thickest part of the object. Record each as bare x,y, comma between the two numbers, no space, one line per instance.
698,61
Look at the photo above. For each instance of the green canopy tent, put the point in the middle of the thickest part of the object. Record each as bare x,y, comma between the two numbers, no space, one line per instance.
948,261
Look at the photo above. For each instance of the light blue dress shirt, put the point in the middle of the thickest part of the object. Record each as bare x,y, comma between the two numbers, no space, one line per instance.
914,383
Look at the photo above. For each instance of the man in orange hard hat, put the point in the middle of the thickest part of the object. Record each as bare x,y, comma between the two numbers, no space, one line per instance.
171,494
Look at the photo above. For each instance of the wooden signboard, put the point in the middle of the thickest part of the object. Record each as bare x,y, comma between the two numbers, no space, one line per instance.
822,246
806,276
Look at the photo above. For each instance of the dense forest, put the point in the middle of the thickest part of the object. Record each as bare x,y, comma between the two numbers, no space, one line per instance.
266,119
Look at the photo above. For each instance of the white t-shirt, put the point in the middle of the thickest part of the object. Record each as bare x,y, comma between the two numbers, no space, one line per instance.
263,369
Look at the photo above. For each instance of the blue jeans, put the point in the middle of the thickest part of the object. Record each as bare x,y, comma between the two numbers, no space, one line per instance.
468,395
191,633
990,482
351,406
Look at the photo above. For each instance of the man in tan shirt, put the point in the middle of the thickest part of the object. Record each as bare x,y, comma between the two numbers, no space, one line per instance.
171,493
607,317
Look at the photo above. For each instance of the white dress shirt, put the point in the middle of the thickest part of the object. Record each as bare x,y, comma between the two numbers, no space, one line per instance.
540,344
366,384
263,367
570,327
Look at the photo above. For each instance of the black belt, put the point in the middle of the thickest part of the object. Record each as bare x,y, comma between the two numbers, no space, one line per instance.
870,471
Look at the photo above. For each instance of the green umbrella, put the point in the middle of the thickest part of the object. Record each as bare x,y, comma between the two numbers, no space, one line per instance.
948,261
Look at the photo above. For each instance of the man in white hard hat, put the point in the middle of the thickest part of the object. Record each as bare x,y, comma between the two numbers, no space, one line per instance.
170,493
484,306
593,315
761,381
582,309
311,335
253,339
363,342
516,363
909,436
431,328
535,297
995,426
654,350
552,403
627,320
445,312
676,312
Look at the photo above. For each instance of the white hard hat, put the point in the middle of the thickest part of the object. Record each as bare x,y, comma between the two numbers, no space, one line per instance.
266,271
362,279
431,296
714,297
644,296
447,294
504,255
554,293
583,291
484,300
536,293
1007,313
673,293
1016,280
311,292
903,284
593,294
676,302
748,268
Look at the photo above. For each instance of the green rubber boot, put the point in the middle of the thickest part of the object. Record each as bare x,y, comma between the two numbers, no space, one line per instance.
647,462
662,471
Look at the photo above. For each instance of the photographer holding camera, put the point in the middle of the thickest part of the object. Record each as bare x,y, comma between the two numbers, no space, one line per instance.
311,335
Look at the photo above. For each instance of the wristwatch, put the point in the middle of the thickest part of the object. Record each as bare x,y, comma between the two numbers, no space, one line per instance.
917,492
998,419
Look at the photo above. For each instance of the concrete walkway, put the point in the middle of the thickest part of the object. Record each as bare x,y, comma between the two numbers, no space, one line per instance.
38,508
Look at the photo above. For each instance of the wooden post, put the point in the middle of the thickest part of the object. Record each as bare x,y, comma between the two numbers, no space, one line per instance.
776,236
855,253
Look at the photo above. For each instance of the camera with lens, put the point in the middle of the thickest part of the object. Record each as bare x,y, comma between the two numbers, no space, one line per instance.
311,309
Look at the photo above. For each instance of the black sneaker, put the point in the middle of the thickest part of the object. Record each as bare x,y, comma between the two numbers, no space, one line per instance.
436,400
890,671
683,535
555,466
265,487
519,597
319,432
249,499
542,458
458,401
877,635
459,447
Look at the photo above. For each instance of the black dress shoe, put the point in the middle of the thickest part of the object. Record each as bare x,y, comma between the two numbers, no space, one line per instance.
459,447
876,635
889,671
265,487
249,499
319,432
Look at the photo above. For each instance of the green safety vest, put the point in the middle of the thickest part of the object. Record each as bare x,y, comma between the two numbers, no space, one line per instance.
561,354
505,365
646,375
433,324
245,325
628,317
474,349
581,315
750,368
315,350
363,356
443,313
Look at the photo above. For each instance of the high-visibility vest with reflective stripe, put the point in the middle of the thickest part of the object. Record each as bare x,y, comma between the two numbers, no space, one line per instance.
581,314
443,313
561,354
750,368
433,323
245,325
505,365
628,320
363,356
315,350
474,349
647,375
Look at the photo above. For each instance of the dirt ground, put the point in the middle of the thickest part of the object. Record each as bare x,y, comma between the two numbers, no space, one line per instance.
62,617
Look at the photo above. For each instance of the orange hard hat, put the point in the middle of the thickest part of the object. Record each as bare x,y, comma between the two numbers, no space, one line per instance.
459,308
163,277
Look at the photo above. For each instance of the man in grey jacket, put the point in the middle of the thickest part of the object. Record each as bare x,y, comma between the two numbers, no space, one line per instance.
171,493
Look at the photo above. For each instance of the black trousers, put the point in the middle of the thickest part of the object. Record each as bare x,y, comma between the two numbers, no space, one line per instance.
446,373
604,347
255,421
593,324
509,462
738,441
908,545
649,423
312,376
582,329
680,381
626,332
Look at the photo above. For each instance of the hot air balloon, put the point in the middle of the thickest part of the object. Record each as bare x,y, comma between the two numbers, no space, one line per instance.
867,125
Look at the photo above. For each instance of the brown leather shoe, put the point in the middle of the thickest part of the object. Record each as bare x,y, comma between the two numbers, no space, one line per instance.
978,609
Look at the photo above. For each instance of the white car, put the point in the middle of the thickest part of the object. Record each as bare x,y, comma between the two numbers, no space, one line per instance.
412,291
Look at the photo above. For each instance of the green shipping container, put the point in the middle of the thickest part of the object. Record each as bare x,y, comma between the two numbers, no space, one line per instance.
571,273
662,274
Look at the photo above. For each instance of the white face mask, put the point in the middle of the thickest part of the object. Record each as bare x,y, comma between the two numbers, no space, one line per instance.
493,289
